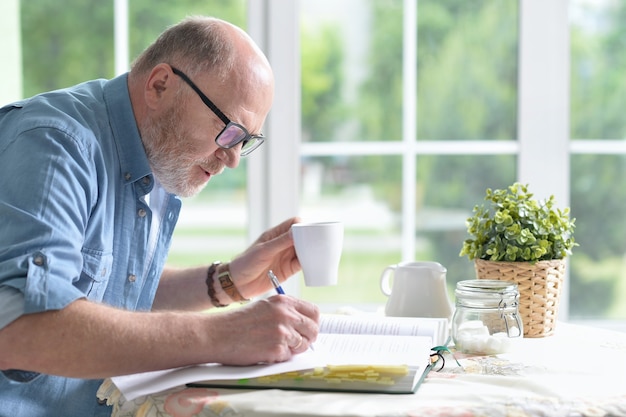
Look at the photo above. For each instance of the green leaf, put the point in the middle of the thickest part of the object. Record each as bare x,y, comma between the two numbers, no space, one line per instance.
513,226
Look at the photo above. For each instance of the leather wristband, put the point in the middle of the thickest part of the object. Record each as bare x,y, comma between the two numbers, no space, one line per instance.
223,275
227,284
210,287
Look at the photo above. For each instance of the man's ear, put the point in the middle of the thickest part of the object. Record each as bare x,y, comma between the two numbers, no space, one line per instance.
159,86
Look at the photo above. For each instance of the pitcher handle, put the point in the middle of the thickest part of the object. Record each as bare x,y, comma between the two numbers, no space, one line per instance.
385,287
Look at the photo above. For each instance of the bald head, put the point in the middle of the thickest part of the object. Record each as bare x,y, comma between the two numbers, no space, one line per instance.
200,45
220,57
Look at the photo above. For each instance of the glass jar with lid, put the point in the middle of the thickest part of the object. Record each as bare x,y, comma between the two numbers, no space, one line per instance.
486,317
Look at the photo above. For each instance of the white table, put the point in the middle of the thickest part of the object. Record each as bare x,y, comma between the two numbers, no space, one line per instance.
579,371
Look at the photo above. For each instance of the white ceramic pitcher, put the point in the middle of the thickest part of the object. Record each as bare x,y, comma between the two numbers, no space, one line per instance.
418,289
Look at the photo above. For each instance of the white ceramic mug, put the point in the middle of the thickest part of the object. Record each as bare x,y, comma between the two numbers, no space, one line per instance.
318,248
418,289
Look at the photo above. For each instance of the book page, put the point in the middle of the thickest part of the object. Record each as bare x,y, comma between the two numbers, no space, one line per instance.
367,349
330,349
382,325
146,383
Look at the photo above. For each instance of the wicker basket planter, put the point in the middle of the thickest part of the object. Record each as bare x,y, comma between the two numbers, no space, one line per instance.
539,286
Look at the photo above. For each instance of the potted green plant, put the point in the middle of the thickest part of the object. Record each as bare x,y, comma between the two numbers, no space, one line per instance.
515,237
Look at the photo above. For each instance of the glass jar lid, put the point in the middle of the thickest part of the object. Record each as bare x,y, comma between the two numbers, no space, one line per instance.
486,293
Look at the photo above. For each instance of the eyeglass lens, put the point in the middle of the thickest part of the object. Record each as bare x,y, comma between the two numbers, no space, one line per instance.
233,134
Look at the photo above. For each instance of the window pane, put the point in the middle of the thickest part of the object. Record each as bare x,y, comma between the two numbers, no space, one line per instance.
466,70
598,287
352,91
354,191
598,196
352,70
598,85
351,190
450,188
65,45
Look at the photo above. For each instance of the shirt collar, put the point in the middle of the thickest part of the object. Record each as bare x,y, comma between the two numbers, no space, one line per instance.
132,155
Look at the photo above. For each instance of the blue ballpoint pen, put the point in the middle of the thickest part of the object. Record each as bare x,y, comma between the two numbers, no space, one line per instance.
275,282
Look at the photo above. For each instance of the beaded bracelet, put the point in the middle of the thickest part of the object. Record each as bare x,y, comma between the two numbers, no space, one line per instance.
211,288
226,283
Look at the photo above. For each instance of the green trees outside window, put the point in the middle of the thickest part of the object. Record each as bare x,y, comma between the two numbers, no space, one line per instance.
466,90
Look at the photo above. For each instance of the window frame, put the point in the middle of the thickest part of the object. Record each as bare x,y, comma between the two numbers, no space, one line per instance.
542,146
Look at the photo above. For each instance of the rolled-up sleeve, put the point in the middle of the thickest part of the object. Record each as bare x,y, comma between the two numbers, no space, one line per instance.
48,193
11,305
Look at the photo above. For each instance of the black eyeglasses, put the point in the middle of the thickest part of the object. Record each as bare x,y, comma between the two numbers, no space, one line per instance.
233,133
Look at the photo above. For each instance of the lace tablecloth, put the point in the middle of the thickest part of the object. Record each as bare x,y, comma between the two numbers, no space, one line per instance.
579,371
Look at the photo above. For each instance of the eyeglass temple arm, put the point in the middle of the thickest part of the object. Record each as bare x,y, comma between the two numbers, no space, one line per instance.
204,98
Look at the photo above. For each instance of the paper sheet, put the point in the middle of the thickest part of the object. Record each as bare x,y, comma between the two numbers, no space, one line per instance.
330,349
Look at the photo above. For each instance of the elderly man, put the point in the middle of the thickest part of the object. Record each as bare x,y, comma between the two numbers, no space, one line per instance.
89,199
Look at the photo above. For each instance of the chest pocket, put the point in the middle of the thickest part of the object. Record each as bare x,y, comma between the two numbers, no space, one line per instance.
95,274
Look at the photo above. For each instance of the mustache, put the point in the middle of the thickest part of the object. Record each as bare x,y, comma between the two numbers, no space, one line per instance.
212,166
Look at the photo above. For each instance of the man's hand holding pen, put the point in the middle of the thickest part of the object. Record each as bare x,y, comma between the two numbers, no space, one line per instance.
280,291
270,329
265,331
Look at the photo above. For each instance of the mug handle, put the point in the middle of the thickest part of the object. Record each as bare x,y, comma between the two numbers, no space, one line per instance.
385,287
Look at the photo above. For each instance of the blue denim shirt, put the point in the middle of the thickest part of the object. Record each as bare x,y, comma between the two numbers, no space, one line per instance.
74,224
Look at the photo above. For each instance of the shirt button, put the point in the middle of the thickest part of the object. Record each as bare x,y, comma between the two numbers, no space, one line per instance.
38,260
141,212
132,277
146,180
127,176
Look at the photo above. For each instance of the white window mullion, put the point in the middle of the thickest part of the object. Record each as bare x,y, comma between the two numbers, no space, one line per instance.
423,147
275,25
409,128
121,39
543,117
257,177
11,69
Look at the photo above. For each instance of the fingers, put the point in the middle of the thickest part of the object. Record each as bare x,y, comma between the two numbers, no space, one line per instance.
302,319
280,240
298,344
272,250
285,226
281,230
269,330
307,327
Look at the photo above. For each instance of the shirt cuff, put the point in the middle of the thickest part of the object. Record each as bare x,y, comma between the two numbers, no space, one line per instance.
11,305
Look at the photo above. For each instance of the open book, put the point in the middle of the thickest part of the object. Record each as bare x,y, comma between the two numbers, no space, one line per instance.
352,353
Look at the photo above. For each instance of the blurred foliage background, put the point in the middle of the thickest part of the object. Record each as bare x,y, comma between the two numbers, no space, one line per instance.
466,90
